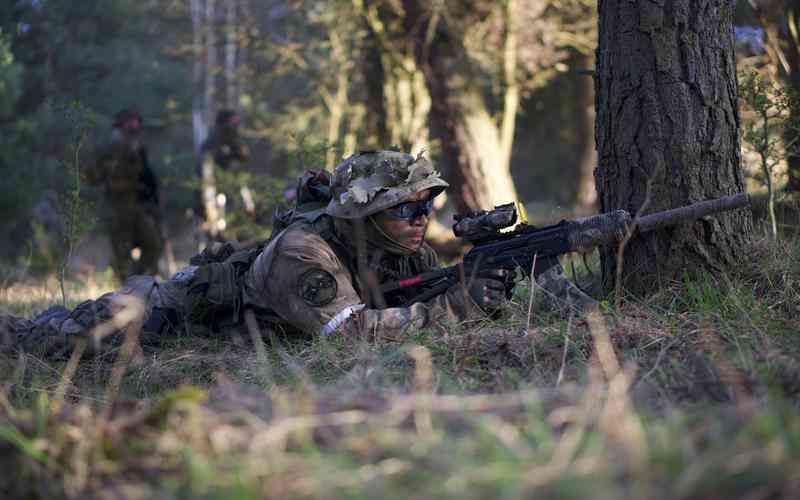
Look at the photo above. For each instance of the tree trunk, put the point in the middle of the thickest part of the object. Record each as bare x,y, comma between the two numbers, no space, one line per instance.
231,43
667,134
245,39
397,96
199,123
211,60
586,194
374,75
213,211
476,149
336,100
408,104
460,160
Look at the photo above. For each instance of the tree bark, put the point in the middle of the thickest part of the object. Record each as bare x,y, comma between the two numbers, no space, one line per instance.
408,104
667,134
374,75
460,159
475,148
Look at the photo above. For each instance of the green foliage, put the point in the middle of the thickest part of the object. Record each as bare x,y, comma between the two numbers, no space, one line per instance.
73,205
704,294
99,53
10,90
770,113
266,191
243,224
307,153
299,64
10,76
770,104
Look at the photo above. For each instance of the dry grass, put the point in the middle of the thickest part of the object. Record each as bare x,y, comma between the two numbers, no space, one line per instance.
28,296
691,394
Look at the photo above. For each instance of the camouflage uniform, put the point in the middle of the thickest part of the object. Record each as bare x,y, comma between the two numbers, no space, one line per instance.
311,285
310,276
555,292
141,300
131,209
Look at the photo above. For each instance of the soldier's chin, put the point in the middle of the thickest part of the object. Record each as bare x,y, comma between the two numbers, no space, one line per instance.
415,243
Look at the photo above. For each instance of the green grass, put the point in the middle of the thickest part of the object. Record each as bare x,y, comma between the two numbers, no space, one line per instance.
691,393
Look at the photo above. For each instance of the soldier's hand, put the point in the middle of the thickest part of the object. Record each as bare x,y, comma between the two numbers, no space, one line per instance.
510,282
489,288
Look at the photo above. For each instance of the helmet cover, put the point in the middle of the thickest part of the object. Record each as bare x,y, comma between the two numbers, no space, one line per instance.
370,181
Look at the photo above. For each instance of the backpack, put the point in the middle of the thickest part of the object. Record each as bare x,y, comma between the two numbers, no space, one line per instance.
214,293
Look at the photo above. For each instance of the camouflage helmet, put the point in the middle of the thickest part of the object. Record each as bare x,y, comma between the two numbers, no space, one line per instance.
370,181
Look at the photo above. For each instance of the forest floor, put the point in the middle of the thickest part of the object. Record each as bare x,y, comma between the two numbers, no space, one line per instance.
691,393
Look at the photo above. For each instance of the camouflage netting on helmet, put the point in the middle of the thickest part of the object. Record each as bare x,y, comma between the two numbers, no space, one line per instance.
370,181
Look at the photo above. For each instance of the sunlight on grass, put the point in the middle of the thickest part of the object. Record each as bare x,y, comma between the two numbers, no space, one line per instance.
26,298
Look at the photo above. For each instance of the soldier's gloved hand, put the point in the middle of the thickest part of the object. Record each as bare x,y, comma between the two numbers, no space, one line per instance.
510,282
488,288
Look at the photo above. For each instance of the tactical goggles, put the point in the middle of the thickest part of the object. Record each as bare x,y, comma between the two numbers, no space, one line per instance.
410,210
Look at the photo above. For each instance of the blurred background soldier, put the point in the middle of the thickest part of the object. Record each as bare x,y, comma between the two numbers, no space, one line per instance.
222,151
131,211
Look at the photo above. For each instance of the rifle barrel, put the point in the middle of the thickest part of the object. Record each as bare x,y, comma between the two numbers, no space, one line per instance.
693,211
590,232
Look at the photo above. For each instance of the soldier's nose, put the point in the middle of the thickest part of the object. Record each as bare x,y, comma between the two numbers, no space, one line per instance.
419,220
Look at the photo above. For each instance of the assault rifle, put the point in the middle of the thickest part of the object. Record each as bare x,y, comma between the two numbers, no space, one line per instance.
529,247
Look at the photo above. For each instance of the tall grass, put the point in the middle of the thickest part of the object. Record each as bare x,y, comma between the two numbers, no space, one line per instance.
691,393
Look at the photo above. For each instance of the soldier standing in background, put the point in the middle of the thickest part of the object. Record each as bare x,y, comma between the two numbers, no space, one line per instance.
131,211
222,150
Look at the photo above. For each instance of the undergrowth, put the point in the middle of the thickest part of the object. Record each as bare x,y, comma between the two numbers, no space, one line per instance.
690,393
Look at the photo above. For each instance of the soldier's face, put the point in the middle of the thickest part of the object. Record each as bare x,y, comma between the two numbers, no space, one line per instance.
408,232
132,127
